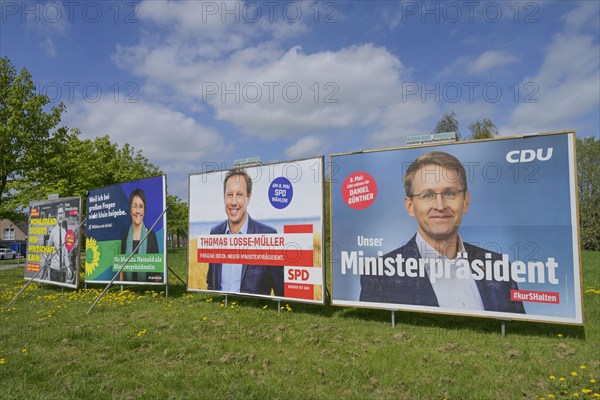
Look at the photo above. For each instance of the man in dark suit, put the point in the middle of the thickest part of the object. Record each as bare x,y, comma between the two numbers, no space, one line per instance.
437,196
252,279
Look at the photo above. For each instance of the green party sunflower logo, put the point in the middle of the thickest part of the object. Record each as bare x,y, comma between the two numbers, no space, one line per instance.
92,256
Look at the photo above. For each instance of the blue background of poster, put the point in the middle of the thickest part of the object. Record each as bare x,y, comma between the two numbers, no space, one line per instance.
155,190
119,194
521,209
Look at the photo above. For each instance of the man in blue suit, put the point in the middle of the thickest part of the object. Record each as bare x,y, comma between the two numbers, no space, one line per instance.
238,278
437,196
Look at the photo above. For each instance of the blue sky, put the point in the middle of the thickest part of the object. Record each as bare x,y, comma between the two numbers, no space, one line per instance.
199,84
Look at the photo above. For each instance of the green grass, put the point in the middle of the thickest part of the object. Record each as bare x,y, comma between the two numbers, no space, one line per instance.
138,345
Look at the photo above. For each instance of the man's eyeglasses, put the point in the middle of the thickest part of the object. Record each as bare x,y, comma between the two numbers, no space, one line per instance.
428,197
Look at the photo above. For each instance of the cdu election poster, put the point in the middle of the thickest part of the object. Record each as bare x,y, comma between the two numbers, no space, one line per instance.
482,228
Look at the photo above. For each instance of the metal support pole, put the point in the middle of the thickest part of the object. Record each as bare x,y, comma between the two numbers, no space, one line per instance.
177,276
126,261
180,227
178,223
393,318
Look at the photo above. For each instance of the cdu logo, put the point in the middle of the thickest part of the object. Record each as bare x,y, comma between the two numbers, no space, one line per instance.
517,156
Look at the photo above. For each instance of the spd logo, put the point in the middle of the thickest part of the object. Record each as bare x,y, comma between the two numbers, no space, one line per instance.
517,156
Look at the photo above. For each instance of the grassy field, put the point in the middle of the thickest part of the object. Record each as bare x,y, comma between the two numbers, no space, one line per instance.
138,345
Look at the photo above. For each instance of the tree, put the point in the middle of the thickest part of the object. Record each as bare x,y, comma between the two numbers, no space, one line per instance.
27,132
588,182
448,123
178,219
483,129
76,166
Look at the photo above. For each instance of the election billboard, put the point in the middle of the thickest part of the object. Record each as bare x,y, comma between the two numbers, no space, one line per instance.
53,242
482,228
258,230
126,225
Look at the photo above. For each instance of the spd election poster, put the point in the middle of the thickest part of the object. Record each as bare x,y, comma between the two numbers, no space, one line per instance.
482,228
258,230
126,224
53,242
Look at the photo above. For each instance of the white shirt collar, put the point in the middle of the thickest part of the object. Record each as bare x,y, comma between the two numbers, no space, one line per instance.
244,228
428,252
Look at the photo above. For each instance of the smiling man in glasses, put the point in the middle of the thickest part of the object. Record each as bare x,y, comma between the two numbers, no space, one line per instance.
431,266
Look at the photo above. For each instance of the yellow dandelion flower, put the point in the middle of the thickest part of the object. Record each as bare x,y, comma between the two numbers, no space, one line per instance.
582,366
574,373
596,394
586,391
560,335
265,306
204,319
2,361
562,378
552,377
575,394
24,350
592,380
550,396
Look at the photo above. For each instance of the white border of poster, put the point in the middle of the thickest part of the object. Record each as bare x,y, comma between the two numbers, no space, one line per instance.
279,254
523,209
52,247
110,237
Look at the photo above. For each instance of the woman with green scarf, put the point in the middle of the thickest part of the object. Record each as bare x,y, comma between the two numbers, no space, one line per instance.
136,232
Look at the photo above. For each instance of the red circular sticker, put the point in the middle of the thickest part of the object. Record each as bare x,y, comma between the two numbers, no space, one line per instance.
359,190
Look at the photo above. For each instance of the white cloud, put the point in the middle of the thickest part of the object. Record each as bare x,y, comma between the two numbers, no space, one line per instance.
271,93
480,65
489,60
242,73
568,80
457,66
155,129
403,119
176,143
202,20
48,45
305,147
585,16
311,92
48,20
